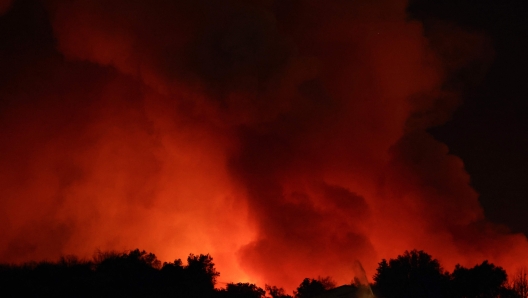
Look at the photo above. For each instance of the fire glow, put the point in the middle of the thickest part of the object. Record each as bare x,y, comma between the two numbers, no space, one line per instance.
287,139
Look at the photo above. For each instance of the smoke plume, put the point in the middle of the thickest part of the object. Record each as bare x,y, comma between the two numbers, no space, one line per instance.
285,138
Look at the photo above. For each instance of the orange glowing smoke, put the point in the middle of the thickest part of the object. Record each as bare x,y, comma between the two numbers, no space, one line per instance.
285,138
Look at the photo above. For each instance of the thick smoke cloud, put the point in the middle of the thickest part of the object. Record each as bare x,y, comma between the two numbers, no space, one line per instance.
4,6
286,138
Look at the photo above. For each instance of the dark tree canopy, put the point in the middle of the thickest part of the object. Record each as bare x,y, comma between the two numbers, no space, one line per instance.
482,281
414,274
110,274
136,273
242,290
276,292
310,288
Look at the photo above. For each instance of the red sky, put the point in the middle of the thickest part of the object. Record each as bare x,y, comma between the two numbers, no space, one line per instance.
288,139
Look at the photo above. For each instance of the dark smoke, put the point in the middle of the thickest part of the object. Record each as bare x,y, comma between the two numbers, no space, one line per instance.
288,139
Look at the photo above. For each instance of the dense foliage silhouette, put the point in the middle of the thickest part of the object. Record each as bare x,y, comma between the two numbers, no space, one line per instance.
110,274
241,290
416,274
276,292
311,288
140,274
483,280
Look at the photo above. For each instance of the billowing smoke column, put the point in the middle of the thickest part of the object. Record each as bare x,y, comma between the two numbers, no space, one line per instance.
286,138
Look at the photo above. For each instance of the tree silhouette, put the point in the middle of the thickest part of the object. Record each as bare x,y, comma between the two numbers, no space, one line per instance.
520,283
201,269
196,279
310,288
414,274
129,274
276,292
482,281
139,274
241,290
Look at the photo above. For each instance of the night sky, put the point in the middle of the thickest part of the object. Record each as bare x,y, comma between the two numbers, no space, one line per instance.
489,130
288,138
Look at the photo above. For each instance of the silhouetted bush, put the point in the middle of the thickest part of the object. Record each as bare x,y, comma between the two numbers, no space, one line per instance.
414,274
241,290
310,288
131,274
276,292
127,274
482,281
136,273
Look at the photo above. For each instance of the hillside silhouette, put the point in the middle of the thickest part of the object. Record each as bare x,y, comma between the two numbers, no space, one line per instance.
137,273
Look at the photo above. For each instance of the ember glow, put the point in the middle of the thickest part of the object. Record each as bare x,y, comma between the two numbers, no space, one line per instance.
285,138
